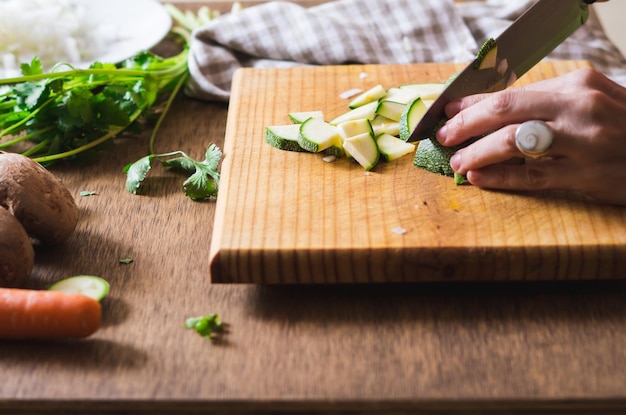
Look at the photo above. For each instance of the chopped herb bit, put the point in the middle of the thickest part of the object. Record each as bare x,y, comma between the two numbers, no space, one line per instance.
87,193
207,326
126,260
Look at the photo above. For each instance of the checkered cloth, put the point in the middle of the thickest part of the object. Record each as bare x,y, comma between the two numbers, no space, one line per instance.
283,34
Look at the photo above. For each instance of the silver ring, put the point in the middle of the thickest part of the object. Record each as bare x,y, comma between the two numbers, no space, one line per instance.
534,138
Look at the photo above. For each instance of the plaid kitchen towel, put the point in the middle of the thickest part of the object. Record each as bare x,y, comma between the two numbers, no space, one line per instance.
282,34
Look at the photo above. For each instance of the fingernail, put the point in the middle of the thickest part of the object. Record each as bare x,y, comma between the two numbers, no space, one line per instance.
455,162
442,134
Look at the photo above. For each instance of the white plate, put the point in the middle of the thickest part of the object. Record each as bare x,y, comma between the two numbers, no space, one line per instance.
141,24
130,27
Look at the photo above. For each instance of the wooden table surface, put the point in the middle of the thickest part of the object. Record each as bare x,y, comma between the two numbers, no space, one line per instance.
432,348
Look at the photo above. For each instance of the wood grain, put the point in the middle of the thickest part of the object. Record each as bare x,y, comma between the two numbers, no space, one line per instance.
393,349
495,348
285,217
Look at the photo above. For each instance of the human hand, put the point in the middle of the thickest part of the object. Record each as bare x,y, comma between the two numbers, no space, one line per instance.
586,111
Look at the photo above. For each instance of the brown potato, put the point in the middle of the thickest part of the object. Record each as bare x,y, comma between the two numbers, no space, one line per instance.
37,198
17,256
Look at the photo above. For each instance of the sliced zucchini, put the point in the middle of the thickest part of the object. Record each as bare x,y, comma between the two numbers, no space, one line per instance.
364,111
336,151
317,135
434,157
374,116
390,109
452,78
302,116
429,91
368,96
382,125
89,285
486,58
351,128
401,95
392,148
284,137
411,116
410,92
363,149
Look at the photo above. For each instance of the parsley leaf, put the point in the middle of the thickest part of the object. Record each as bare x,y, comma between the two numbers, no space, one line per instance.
34,68
207,326
136,172
202,182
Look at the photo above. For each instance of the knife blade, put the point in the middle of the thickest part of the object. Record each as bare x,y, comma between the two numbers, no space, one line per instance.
536,33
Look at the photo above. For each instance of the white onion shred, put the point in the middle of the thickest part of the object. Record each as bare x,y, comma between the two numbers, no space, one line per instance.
363,75
399,230
329,159
350,93
52,30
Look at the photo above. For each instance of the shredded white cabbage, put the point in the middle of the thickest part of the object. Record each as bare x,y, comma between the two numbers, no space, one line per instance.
52,30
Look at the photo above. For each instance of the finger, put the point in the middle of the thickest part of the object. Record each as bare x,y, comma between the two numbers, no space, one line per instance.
491,149
545,174
557,85
456,106
600,183
576,82
500,146
580,80
500,109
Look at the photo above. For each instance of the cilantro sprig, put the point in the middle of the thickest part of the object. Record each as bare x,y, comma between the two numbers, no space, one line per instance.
203,180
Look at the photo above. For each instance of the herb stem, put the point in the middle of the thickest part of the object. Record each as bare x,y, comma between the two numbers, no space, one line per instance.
24,137
6,115
112,133
35,149
180,62
166,109
24,120
7,105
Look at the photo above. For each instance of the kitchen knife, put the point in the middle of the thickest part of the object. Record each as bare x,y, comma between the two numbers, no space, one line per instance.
536,33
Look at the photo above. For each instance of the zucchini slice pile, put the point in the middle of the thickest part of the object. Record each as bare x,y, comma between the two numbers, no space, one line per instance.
375,127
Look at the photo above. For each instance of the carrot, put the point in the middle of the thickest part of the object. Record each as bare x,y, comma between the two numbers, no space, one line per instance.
42,314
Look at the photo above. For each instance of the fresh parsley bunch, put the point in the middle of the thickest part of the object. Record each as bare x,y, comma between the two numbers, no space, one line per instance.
69,112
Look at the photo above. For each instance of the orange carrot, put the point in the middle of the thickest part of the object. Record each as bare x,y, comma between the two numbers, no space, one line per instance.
42,314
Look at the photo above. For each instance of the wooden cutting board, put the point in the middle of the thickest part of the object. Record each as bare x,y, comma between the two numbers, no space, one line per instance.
287,218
